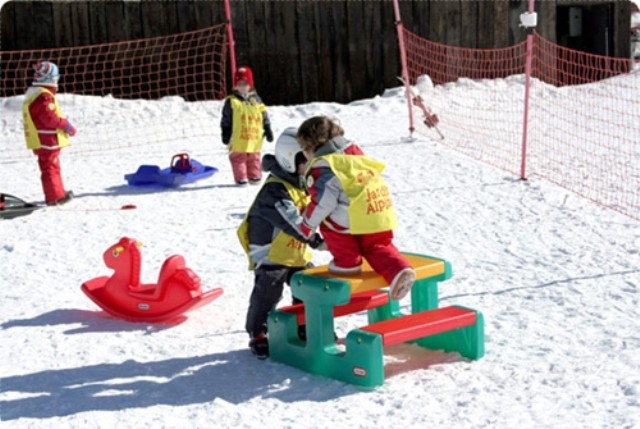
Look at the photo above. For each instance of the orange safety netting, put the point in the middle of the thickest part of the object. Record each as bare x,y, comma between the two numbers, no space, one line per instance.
190,65
583,127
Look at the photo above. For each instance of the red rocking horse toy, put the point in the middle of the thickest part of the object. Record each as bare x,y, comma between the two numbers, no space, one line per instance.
123,296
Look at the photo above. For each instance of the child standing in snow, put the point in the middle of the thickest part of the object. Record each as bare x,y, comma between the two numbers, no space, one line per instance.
244,124
351,204
272,238
46,130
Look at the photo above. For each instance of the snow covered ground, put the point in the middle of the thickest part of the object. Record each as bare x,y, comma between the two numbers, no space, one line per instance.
556,277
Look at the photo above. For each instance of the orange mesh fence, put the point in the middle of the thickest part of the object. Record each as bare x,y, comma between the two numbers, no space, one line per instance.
444,63
189,65
468,117
583,131
585,136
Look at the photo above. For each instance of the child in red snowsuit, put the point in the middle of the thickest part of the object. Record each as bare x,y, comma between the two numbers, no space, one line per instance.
244,124
351,205
46,130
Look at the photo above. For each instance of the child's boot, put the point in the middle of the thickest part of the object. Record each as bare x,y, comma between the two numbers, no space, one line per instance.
260,346
402,283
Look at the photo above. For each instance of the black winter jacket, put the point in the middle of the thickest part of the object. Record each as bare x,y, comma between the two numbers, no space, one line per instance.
273,210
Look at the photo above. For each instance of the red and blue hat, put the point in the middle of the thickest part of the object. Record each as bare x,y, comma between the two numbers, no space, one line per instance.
46,73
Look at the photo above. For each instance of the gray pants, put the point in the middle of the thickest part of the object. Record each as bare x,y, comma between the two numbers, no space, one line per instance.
267,292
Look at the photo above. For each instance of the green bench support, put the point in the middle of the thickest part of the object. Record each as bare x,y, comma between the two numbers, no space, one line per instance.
326,295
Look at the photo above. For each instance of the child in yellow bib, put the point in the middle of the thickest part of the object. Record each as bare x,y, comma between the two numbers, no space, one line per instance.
271,236
245,123
352,206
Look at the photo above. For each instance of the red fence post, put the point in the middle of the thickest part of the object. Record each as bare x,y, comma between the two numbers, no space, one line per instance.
403,62
232,47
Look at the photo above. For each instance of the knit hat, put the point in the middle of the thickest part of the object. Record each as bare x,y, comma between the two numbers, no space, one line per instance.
244,73
46,73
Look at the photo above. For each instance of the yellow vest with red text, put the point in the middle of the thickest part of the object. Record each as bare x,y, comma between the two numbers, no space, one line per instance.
370,206
248,127
30,130
285,249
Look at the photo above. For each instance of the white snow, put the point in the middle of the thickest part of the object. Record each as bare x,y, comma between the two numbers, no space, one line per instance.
556,277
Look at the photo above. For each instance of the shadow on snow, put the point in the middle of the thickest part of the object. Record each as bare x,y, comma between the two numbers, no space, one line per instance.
234,376
91,321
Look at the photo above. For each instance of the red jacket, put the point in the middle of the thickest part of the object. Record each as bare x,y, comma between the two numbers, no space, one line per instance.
44,117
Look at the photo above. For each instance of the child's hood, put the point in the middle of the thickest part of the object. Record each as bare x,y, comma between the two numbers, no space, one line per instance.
335,145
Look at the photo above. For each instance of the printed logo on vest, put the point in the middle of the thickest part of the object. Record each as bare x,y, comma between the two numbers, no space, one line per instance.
378,199
295,244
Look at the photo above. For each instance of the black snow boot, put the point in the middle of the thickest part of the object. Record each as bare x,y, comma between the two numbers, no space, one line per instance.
260,346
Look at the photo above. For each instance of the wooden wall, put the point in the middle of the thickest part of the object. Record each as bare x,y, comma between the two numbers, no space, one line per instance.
52,24
300,50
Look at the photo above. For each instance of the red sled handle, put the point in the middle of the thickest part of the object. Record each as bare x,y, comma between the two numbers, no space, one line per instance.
180,162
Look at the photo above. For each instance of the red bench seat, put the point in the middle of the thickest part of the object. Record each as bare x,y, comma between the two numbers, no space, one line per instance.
359,302
423,324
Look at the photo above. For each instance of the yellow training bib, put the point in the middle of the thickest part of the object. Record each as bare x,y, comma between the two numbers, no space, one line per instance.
248,126
285,249
370,206
30,130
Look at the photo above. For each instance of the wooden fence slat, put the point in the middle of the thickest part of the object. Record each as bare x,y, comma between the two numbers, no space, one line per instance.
485,28
438,21
454,16
324,51
132,20
469,24
307,45
98,23
268,56
357,70
342,84
8,34
547,19
79,23
62,25
500,25
391,55
421,14
186,14
373,56
115,21
152,19
288,67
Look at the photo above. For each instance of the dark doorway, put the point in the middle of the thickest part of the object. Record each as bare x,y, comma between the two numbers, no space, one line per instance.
586,27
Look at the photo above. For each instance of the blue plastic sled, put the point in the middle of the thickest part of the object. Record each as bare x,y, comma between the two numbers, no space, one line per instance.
183,170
